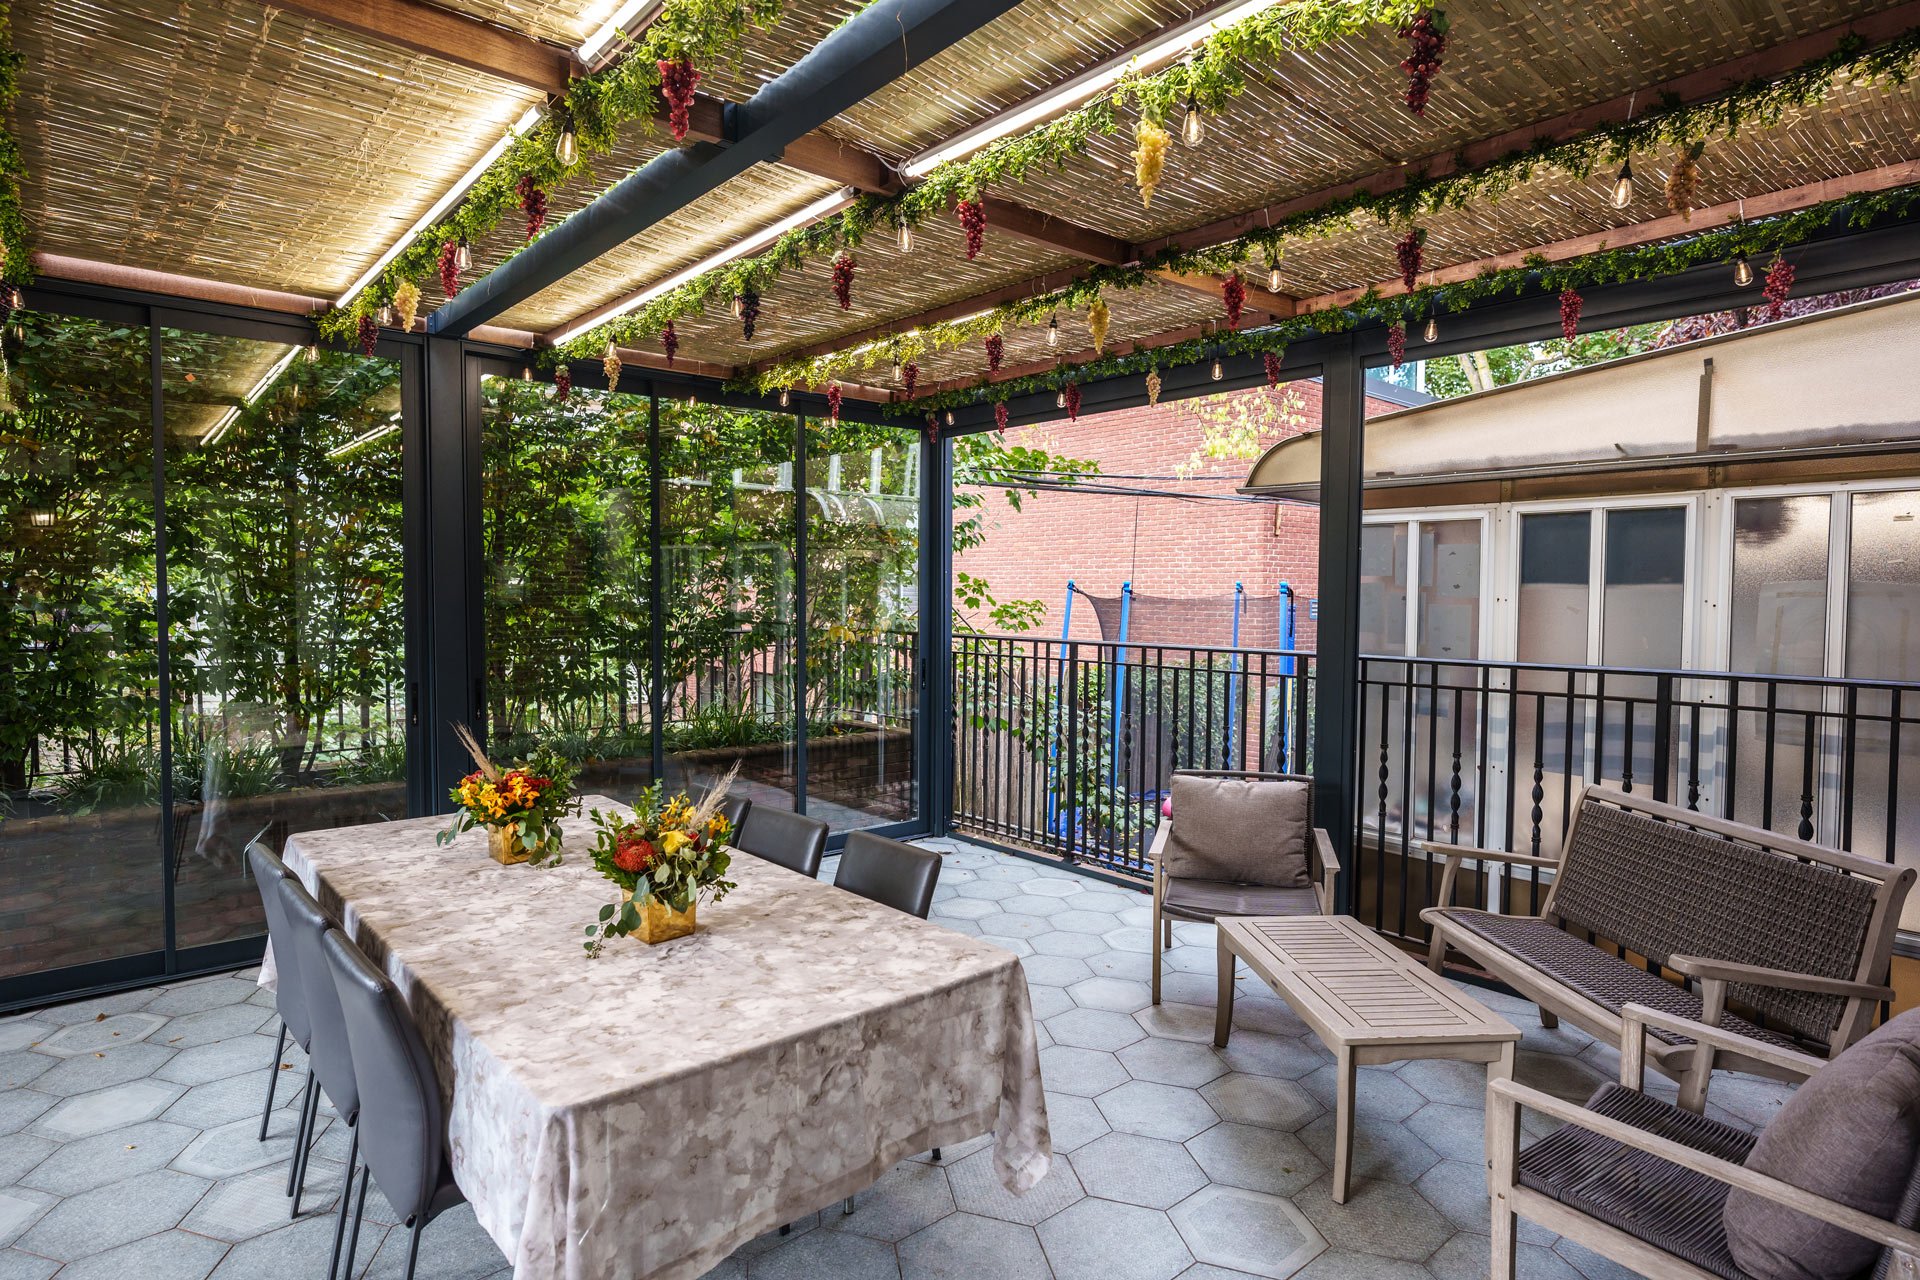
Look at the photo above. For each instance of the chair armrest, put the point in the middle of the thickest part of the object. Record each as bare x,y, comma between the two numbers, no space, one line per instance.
1456,852
1156,855
1635,1019
1329,869
1732,971
1507,1094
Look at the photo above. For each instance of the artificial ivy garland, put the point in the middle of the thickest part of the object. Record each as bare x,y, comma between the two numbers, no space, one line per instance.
16,259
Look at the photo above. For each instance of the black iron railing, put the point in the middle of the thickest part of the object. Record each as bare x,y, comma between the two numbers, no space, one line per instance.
1068,747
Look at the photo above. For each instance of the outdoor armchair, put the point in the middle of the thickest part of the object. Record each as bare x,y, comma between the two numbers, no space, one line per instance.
1248,847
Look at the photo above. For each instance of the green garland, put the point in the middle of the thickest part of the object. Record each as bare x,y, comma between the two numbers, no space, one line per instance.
17,265
1212,80
1615,266
709,32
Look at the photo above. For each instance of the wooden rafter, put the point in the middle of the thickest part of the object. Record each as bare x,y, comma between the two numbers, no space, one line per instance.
449,36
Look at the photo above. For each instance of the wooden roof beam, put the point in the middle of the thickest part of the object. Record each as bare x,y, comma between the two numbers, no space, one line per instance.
449,36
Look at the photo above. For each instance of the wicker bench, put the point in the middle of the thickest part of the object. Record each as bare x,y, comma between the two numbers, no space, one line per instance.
1798,938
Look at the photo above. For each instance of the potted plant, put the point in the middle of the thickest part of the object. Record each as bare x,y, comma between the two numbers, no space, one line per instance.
520,806
666,858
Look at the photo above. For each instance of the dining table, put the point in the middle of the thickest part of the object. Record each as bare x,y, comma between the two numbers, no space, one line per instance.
644,1113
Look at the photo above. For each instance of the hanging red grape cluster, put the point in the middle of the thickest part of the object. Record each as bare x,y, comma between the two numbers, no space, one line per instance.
1428,34
677,80
1233,291
1779,284
562,383
369,330
1397,343
1570,304
1000,415
533,203
1073,402
833,402
843,280
669,342
1272,361
973,220
996,352
450,268
909,377
1410,250
749,313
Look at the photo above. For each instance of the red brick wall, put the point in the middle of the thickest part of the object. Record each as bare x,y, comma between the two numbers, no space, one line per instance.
1166,546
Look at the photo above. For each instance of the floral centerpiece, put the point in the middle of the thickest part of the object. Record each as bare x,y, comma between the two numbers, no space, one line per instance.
520,806
666,858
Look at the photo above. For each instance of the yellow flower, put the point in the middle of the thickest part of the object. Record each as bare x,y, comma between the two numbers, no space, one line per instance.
674,841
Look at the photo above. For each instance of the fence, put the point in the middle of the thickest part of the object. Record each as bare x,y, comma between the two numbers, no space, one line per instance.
1068,747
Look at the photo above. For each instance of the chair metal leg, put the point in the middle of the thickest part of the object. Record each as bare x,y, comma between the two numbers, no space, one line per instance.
936,1155
359,1211
300,1135
413,1245
346,1194
847,1208
305,1150
273,1078
786,1228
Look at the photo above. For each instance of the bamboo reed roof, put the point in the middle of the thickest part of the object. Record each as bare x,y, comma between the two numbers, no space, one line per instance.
232,141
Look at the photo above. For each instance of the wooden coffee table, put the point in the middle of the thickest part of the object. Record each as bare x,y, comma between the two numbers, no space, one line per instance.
1368,1001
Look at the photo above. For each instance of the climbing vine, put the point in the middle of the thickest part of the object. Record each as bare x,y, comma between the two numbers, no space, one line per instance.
16,262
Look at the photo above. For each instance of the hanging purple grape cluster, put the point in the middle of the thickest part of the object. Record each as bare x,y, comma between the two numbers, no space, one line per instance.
1410,251
1570,304
1000,415
1428,34
1073,402
669,342
749,313
562,383
533,203
909,377
1233,292
1779,284
1397,343
450,268
996,352
973,220
843,280
369,330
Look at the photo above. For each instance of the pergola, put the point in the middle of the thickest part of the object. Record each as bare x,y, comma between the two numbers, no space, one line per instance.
332,160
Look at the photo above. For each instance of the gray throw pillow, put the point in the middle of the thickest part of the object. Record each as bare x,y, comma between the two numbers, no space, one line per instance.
1851,1134
1242,830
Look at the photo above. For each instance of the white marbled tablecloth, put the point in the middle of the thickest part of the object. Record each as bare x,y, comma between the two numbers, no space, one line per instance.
644,1114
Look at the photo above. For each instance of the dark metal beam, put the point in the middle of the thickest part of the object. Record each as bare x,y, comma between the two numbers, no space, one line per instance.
1343,421
870,50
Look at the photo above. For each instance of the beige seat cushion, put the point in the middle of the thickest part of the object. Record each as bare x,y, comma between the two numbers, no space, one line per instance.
1240,830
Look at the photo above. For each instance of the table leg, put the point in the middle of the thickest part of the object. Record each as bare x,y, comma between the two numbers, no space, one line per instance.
1223,1002
1501,1068
1343,1122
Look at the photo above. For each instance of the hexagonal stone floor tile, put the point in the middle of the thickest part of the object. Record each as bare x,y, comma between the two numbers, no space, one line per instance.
1084,1072
205,1063
820,1254
1106,1240
19,1152
1073,1121
1384,1218
1387,1151
1179,1062
1048,1001
1246,1231
977,1189
1115,995
1466,1257
21,1068
235,1148
15,1265
1150,1172
908,1197
88,1010
958,1247
1055,971
1260,1054
23,1033
1459,1190
20,1208
244,1207
114,1214
1178,1021
1062,942
1379,1097
1058,886
107,1033
171,1255
113,1108
21,1107
203,993
104,1158
1156,1110
1094,1029
1257,1159
222,1022
1091,923
1263,1100
101,1068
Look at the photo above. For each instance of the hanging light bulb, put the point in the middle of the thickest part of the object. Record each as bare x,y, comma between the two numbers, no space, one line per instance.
906,236
386,315
786,397
1432,332
899,370
1742,270
313,353
949,417
463,255
1218,371
1193,127
1273,276
566,147
1053,330
692,399
526,373
1060,398
1623,186
739,306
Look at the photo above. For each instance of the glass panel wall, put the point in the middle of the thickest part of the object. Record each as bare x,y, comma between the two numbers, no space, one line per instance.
80,702
728,542
863,606
283,486
566,539
1642,624
1883,643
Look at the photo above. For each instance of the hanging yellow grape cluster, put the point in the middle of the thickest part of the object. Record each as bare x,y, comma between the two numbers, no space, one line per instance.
1153,386
610,365
1149,158
1683,184
406,304
1098,318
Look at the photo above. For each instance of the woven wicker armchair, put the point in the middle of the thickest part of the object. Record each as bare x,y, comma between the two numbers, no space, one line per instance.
1205,901
1799,939
1645,1183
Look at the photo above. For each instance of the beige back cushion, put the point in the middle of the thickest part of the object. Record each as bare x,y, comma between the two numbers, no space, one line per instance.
1243,830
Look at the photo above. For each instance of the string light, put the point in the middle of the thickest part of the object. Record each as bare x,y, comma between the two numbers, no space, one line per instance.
1623,186
313,353
1193,128
386,315
739,306
566,147
1218,371
1060,398
1742,271
1432,332
1053,330
906,236
1273,276
786,397
463,255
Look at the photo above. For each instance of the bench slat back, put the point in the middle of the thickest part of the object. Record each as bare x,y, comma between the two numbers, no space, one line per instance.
1662,888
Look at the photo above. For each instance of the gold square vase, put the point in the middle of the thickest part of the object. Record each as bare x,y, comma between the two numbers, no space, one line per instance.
660,922
505,845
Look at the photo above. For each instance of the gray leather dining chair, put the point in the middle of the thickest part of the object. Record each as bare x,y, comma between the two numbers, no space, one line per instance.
899,875
289,999
403,1124
793,840
332,1060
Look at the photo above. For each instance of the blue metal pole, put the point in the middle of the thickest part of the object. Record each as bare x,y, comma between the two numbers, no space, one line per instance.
1233,666
1287,642
1120,679
1053,739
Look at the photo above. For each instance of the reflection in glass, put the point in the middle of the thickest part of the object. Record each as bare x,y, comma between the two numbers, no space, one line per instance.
1383,589
1644,592
1550,728
80,863
283,485
566,518
863,606
1883,643
727,544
